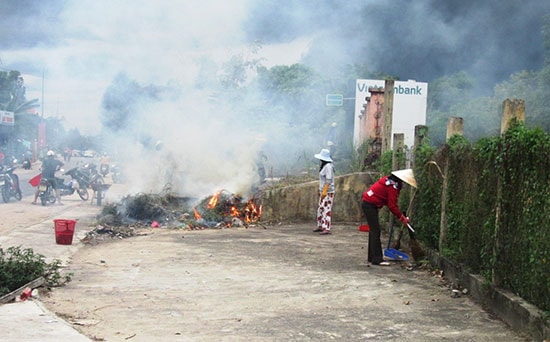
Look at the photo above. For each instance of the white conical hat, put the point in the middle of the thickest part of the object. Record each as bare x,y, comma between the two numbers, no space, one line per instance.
324,155
406,176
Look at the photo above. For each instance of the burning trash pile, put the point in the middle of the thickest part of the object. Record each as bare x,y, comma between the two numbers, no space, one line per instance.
221,210
224,209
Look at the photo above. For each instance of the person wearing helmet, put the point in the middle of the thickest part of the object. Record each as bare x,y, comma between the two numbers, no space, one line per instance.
104,163
384,192
326,192
49,166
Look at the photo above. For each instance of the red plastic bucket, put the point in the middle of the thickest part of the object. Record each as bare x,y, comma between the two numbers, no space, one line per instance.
64,231
364,228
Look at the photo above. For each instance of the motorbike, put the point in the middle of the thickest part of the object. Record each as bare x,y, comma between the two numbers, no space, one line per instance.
117,174
46,192
73,185
26,164
9,184
104,169
90,175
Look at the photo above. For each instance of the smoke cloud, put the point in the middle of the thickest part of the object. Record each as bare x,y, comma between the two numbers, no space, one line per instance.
73,51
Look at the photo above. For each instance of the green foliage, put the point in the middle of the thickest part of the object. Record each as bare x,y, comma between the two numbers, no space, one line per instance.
525,201
384,164
454,95
357,163
235,70
498,197
19,266
7,81
122,99
427,202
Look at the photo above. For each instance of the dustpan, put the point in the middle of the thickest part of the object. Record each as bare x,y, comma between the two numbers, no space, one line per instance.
395,254
392,253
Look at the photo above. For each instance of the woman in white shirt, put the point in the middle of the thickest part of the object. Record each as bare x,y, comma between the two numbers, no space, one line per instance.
326,192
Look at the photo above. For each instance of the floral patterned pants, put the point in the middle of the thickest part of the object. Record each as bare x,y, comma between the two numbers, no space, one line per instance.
324,211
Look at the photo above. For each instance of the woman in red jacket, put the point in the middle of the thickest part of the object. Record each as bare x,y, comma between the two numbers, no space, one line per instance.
384,192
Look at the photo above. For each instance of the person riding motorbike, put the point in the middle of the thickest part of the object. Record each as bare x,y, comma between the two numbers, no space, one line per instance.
104,164
49,166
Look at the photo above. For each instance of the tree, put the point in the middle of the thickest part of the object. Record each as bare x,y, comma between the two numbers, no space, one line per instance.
122,99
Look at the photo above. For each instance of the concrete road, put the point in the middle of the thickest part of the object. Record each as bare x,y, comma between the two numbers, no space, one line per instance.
281,283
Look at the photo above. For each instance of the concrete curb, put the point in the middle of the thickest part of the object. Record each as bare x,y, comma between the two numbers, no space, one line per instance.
30,320
513,310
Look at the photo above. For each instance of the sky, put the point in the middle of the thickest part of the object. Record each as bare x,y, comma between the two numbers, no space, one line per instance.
78,47
70,51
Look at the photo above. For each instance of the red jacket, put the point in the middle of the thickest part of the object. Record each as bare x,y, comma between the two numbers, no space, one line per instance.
384,192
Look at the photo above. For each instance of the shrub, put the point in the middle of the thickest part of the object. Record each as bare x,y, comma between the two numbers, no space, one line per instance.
20,266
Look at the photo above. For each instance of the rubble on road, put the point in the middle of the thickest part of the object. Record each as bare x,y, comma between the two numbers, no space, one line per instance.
136,213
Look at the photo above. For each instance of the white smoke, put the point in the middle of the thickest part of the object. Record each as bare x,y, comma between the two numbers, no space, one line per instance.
161,43
80,46
193,149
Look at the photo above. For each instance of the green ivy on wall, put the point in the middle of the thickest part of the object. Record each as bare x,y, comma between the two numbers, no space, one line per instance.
497,207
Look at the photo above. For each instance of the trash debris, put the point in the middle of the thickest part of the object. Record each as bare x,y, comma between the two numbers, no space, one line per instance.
132,215
27,292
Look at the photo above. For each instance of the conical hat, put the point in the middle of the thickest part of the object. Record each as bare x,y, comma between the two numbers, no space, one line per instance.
406,176
324,155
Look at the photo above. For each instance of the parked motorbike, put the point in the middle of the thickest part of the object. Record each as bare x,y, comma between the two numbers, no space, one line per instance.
117,174
90,175
26,164
66,189
9,184
9,161
104,169
46,192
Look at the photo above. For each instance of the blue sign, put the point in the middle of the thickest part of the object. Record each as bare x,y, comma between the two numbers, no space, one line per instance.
334,100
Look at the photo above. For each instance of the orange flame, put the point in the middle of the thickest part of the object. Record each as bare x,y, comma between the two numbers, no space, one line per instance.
197,215
252,212
248,212
213,200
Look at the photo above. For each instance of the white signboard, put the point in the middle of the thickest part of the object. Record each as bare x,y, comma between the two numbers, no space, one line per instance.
410,102
6,118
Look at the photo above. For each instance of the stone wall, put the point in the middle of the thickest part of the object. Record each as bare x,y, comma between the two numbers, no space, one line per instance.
298,203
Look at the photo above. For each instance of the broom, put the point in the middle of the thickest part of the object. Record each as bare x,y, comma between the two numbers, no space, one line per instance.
416,250
397,243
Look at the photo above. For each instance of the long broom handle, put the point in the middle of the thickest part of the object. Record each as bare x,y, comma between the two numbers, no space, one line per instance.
391,231
400,235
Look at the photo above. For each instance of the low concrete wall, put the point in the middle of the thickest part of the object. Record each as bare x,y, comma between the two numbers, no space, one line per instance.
298,203
512,309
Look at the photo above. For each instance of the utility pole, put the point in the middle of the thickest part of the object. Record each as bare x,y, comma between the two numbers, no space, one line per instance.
42,109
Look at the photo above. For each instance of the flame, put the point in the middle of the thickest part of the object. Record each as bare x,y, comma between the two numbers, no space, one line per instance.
229,206
213,200
197,215
252,212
